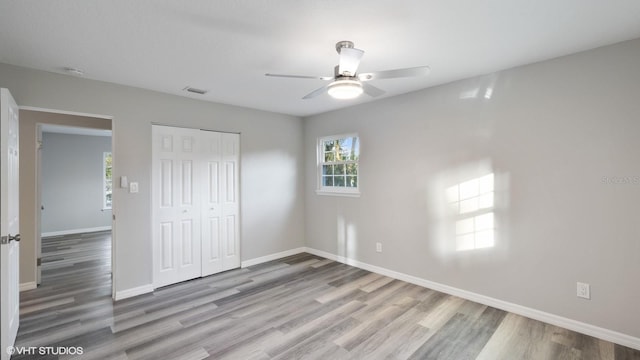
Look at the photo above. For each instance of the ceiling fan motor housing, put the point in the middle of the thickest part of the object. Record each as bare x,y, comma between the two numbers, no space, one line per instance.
343,44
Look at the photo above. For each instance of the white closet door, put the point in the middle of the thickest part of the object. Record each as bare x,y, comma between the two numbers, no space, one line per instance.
176,204
220,208
230,202
211,204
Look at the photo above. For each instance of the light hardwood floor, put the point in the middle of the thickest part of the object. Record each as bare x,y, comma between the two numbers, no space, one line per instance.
300,307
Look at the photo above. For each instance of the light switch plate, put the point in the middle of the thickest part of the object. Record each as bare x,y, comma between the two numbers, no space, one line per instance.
133,187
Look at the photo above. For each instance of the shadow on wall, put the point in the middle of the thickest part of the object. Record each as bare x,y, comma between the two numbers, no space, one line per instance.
469,207
270,174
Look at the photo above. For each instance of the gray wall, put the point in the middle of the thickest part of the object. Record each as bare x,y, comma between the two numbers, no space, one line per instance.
72,183
560,136
271,163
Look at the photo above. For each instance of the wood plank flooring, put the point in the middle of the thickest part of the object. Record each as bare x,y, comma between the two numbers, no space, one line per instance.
300,307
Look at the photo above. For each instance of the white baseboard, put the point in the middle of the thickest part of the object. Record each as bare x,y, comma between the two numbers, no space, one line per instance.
28,286
76,231
124,294
584,328
272,257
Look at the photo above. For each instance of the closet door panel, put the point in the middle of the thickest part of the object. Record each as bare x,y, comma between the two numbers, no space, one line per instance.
211,209
176,207
231,201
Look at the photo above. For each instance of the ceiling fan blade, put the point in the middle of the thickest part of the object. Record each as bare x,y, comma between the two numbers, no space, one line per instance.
349,61
301,76
315,93
397,73
372,90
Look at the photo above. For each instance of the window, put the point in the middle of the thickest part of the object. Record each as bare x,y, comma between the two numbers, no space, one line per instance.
107,186
472,201
338,158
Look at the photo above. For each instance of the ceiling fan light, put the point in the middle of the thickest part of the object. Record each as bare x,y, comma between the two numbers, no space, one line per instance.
344,89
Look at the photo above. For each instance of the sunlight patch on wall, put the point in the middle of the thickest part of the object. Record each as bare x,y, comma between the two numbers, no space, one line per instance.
346,237
472,201
469,211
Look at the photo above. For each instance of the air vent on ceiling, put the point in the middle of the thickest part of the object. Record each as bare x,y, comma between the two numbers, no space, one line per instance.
73,71
195,91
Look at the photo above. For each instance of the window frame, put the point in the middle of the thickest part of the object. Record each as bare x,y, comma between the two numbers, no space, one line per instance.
333,190
105,205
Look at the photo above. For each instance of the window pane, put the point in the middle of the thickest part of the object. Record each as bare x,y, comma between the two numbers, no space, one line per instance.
327,181
344,149
327,169
352,169
329,156
338,181
355,150
328,145
339,169
352,181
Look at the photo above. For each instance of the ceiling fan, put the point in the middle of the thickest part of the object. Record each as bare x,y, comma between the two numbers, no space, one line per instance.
347,83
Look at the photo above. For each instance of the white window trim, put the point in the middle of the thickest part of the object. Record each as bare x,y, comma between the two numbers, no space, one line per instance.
331,190
104,181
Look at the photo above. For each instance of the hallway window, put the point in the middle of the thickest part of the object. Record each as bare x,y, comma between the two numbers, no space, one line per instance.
107,188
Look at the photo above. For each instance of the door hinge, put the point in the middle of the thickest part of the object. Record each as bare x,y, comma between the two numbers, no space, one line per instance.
39,262
9,238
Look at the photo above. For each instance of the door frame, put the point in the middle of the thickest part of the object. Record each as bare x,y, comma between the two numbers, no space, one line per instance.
37,215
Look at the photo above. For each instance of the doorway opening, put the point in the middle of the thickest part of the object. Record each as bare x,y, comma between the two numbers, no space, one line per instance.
75,191
59,150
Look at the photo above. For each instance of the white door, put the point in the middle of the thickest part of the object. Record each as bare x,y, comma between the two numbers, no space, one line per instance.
176,205
9,223
220,207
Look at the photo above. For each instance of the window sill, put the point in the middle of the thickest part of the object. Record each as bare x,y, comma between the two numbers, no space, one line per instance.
354,194
106,209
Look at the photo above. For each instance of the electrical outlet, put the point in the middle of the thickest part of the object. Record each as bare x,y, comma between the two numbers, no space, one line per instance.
378,247
584,290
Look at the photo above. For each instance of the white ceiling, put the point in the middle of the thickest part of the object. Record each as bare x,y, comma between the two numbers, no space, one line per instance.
226,46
